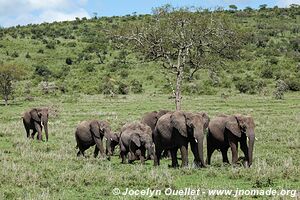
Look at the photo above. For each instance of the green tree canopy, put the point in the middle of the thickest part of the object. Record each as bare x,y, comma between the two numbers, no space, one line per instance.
8,74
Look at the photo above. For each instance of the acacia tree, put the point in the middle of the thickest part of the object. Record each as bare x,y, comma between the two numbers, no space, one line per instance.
8,74
182,40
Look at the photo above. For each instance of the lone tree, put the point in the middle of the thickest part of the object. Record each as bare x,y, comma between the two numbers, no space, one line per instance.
182,40
8,74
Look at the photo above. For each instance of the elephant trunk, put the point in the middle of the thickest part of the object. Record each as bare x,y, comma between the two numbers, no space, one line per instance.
200,149
250,148
108,144
44,124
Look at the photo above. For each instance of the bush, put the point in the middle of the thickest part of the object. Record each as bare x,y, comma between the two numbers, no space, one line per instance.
50,45
27,55
281,87
15,54
203,88
89,68
247,85
266,72
124,74
43,71
69,61
136,86
41,51
293,84
123,88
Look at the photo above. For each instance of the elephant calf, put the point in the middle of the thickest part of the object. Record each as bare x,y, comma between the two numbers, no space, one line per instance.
227,131
89,133
35,119
136,139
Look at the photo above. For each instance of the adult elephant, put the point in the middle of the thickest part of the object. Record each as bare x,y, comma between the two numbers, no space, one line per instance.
136,139
35,119
175,130
151,118
89,133
227,131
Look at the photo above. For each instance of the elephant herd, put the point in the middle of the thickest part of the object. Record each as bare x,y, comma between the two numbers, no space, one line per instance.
160,133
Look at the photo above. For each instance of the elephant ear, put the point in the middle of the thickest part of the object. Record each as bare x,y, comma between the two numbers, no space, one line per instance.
35,115
178,121
233,126
136,139
95,129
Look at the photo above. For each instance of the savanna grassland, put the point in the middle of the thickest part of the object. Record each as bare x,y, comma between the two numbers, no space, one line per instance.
80,71
51,170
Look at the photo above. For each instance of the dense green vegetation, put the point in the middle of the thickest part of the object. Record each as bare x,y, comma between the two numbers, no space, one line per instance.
79,56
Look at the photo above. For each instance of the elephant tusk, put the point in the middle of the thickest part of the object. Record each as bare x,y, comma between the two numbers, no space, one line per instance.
196,140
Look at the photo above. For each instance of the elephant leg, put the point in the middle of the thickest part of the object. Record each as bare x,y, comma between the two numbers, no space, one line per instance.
96,151
27,131
99,145
81,151
194,149
39,130
224,155
234,150
33,134
184,155
174,158
210,151
142,156
132,156
123,156
157,155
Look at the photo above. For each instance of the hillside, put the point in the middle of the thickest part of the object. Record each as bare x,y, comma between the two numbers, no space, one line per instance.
78,56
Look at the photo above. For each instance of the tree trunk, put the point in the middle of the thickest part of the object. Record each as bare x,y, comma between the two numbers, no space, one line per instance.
6,100
178,88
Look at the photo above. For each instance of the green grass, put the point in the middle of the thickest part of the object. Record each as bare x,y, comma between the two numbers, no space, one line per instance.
33,170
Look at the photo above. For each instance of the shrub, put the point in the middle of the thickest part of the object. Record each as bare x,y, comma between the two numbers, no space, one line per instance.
42,71
266,72
15,54
123,88
50,45
281,87
203,88
69,61
136,86
89,68
247,85
41,51
293,84
27,55
124,73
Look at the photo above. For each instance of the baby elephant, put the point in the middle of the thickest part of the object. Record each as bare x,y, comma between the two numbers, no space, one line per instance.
136,139
35,119
114,141
89,133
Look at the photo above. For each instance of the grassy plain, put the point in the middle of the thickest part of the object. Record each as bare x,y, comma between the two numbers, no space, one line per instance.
33,170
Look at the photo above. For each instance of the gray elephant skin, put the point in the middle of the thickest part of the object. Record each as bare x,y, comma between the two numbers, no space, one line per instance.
90,133
226,131
35,119
136,140
175,131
